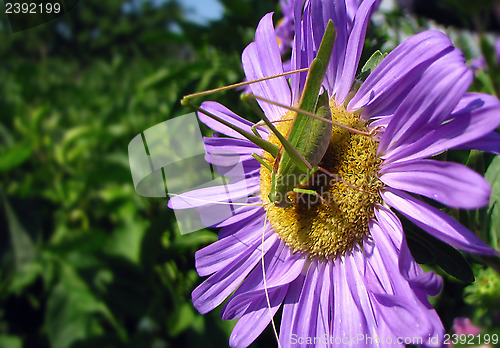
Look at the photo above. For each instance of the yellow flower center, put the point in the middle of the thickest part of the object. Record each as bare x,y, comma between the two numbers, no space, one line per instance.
331,225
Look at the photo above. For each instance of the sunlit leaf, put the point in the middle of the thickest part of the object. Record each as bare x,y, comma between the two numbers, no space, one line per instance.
371,64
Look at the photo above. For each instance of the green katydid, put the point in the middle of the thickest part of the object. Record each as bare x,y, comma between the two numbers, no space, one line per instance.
307,139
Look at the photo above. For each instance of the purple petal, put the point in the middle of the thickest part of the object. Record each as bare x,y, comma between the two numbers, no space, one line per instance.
308,49
228,151
241,223
297,80
215,194
307,307
469,101
325,305
225,251
428,282
402,316
290,311
261,59
258,316
222,112
435,222
282,268
480,118
449,183
251,306
384,258
381,122
234,162
356,266
305,320
351,8
304,50
322,12
401,309
432,99
391,224
391,79
488,143
348,319
353,51
213,291
244,212
342,26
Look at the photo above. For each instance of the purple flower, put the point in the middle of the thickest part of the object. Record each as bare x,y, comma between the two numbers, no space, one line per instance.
463,326
342,272
479,63
497,51
284,29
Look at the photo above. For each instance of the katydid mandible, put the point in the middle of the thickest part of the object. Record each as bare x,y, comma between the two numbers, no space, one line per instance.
307,140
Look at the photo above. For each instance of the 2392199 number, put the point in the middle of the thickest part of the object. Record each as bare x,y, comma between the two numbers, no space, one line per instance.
470,339
33,8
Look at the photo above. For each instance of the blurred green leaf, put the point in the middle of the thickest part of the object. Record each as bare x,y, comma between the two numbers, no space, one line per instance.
193,240
126,241
485,79
493,177
7,341
74,312
485,292
179,320
154,79
15,155
22,245
466,7
25,277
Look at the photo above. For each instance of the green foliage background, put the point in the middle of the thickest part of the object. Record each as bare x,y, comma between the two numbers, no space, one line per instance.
84,260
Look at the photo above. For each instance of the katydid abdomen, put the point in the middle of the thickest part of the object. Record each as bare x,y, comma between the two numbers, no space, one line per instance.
309,137
314,140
